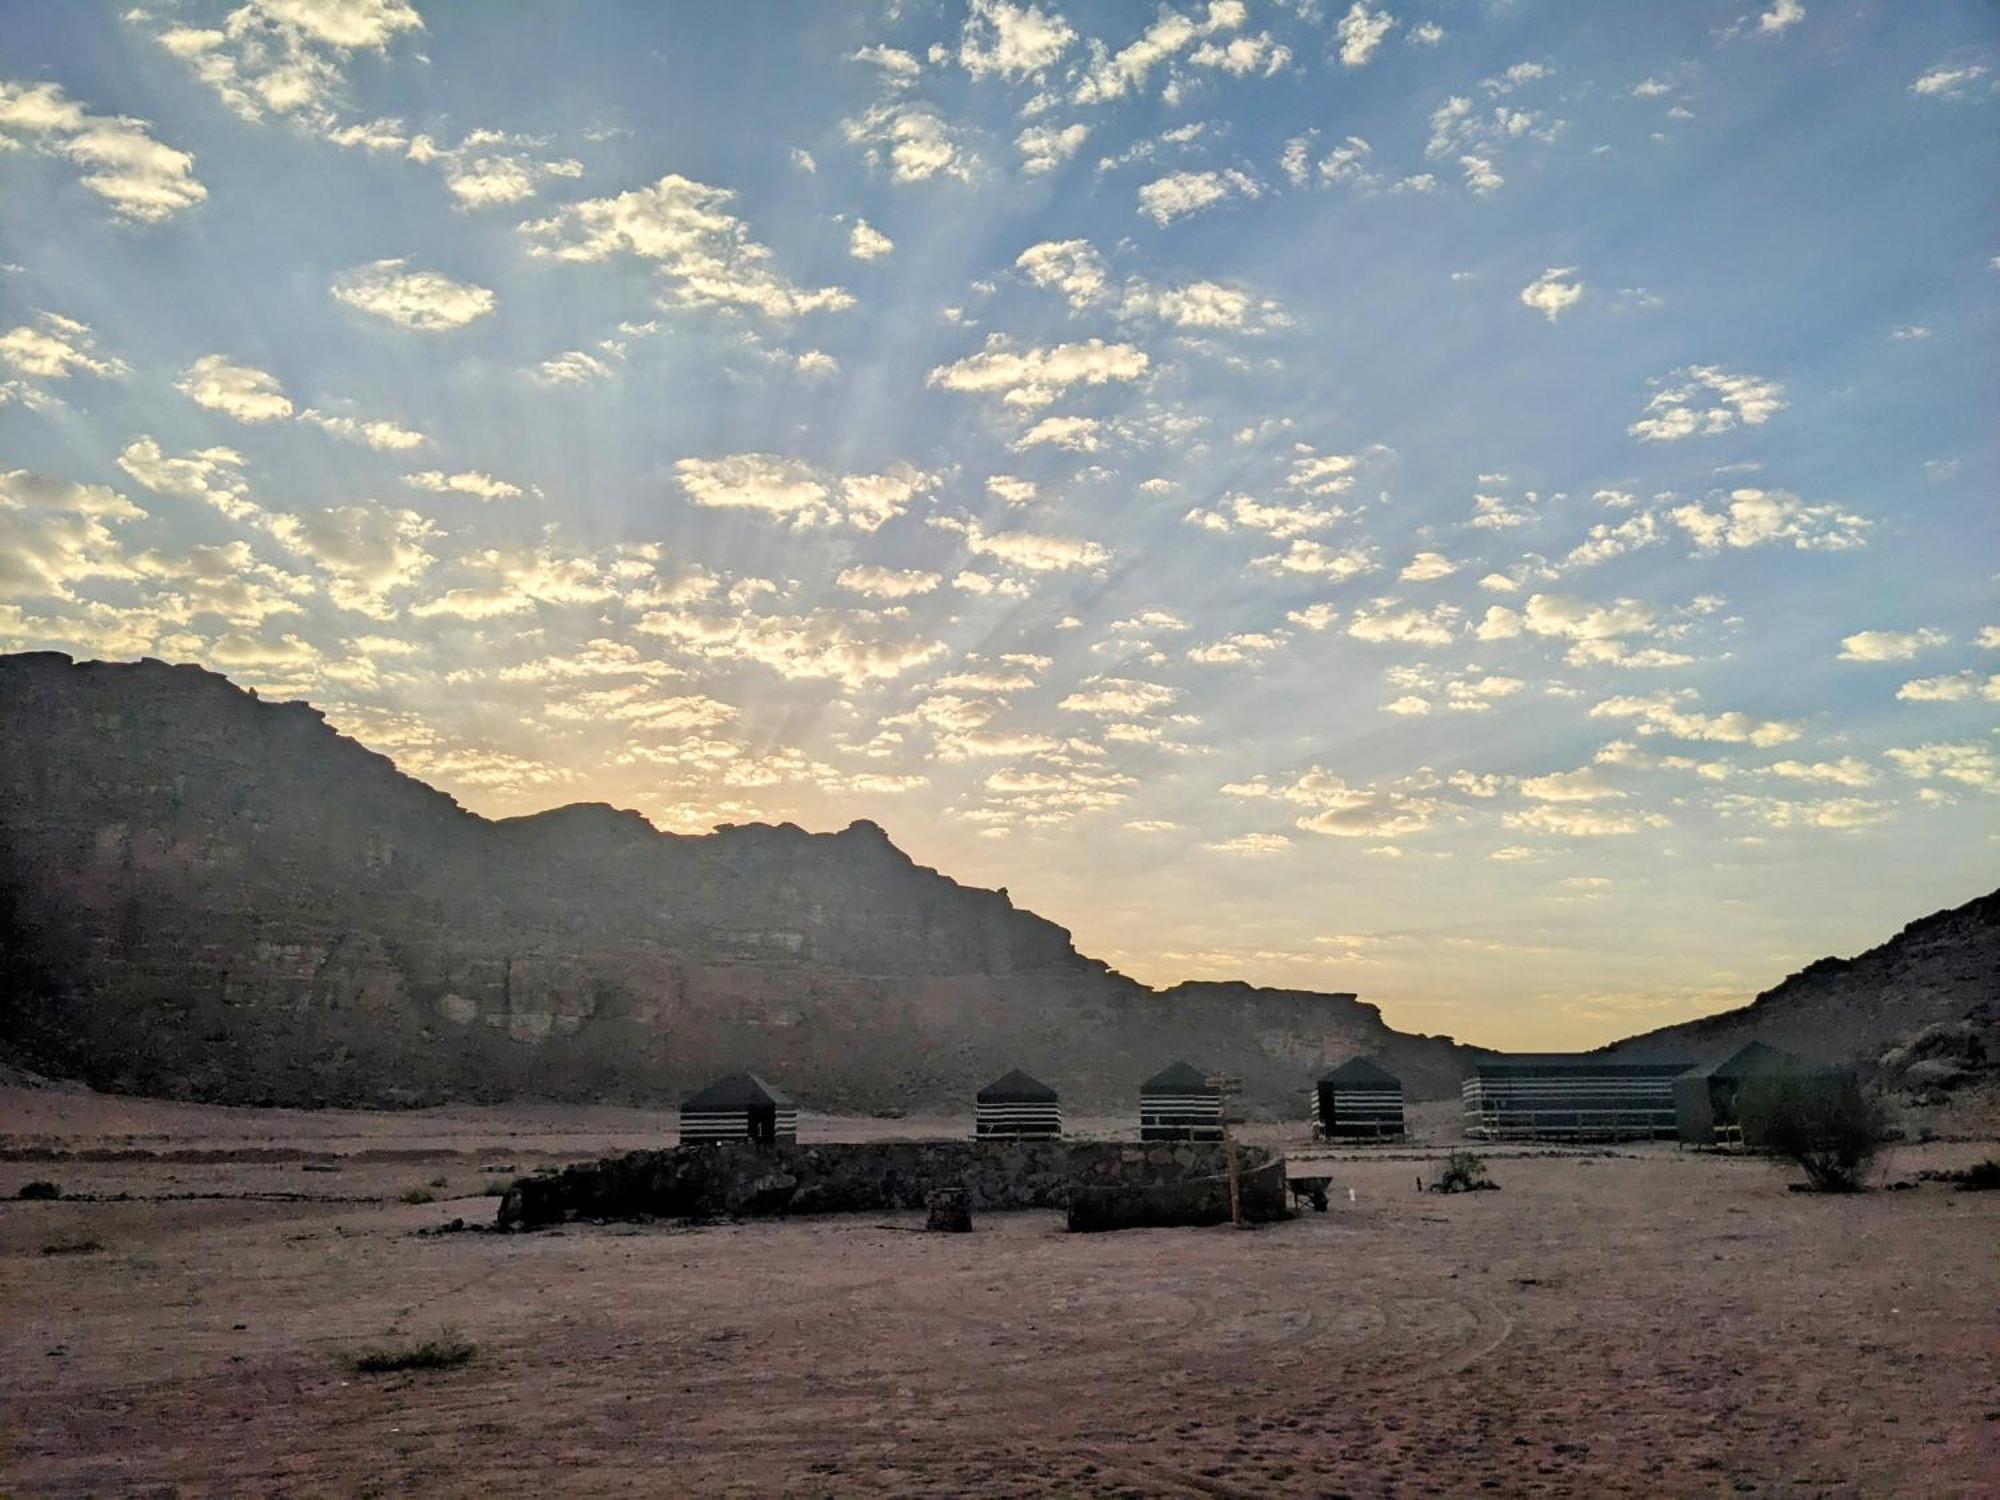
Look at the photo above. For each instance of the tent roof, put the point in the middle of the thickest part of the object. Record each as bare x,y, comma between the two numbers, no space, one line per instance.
1362,1073
1016,1088
1758,1060
1177,1078
737,1091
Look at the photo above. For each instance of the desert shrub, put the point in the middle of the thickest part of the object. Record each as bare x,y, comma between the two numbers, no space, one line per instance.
39,1190
1464,1172
1983,1177
420,1195
1821,1123
440,1182
445,1352
73,1247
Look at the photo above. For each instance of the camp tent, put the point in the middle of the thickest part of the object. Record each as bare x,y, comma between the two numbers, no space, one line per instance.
1017,1107
1179,1104
1707,1099
741,1107
1359,1100
1570,1096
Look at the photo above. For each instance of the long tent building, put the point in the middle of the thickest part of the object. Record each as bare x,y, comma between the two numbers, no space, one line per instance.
1178,1103
741,1107
1570,1096
1358,1101
1017,1107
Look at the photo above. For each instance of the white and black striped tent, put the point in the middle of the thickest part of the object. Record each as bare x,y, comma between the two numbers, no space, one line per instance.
1358,1100
1017,1107
1570,1096
1179,1104
741,1107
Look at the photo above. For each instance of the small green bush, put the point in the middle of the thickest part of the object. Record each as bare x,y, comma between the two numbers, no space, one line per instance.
1464,1172
420,1195
39,1191
1984,1177
1820,1122
446,1352
73,1247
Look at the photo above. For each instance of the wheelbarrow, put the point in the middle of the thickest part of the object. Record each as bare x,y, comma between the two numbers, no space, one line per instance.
1308,1190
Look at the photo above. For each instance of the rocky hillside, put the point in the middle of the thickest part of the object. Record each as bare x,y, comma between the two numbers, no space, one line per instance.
203,895
1936,971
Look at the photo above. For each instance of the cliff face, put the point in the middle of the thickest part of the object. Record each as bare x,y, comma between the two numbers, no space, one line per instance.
204,895
1938,969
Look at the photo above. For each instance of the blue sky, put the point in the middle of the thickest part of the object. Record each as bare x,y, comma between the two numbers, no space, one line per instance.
1486,505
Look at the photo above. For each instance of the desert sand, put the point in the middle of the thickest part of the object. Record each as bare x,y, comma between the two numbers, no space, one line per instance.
1628,1321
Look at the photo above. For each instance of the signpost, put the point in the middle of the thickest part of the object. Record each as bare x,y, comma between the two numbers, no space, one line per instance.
1226,1085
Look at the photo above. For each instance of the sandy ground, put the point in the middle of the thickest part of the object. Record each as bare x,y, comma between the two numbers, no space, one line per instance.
1637,1322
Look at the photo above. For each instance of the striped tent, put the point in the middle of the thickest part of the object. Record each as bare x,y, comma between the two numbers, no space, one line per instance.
741,1107
1707,1100
1358,1101
1179,1104
1570,1096
1017,1107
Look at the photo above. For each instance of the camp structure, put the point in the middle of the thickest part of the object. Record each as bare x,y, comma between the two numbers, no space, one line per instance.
1707,1100
1178,1103
1570,1096
1358,1101
741,1107
1017,1107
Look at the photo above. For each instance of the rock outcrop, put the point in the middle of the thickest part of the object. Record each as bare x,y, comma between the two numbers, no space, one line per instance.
1937,972
207,896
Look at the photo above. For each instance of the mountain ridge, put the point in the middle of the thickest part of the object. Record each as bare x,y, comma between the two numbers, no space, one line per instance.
212,896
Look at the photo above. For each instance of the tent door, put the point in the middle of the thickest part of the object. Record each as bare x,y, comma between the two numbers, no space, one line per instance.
764,1124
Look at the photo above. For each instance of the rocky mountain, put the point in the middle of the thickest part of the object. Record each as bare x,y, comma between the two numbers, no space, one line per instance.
204,895
1935,972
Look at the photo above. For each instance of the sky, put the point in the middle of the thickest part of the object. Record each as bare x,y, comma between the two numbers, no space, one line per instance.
1486,505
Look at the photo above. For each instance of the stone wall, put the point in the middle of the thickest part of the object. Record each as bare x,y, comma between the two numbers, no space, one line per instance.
717,1181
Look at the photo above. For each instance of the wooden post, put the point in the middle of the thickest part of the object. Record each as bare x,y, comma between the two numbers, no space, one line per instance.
1226,1086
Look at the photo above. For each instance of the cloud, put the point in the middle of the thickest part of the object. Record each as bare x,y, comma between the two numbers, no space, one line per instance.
382,435
1254,844
1968,762
888,583
1032,552
1708,400
1113,75
1585,785
141,180
1781,17
1567,821
211,475
1242,512
235,390
1361,32
1427,566
1948,82
919,142
1554,294
470,482
1043,148
1179,194
704,254
1319,560
799,494
1663,712
1755,517
1077,271
1241,56
368,550
866,242
1077,434
577,367
1031,377
1889,645
1013,42
1566,617
425,301
1956,688
1234,650
1382,621
52,348
1119,698
286,57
